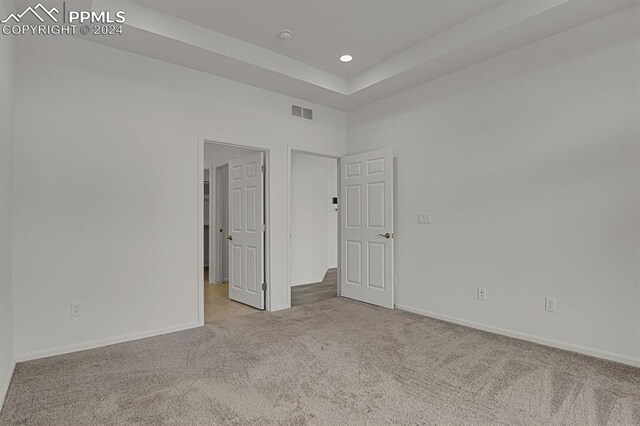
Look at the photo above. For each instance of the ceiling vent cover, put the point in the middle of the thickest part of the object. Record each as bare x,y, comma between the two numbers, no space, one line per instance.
298,111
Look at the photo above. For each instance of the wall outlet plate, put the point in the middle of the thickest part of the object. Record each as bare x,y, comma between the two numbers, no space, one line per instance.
482,293
76,309
550,304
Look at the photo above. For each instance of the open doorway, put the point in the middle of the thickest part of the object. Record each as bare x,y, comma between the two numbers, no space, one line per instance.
365,228
313,228
234,230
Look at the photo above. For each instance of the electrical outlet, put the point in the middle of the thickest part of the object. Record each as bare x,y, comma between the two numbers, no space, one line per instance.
482,294
76,309
424,218
550,304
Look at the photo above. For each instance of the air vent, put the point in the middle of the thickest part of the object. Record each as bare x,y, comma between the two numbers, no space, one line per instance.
307,113
298,111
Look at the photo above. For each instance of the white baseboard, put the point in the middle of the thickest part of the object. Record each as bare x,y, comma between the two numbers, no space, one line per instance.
279,308
102,342
305,283
623,359
6,381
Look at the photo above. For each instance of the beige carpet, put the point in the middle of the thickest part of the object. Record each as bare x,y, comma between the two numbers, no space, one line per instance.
333,362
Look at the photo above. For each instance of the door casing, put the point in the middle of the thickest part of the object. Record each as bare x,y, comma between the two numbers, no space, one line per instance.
220,237
291,149
207,138
338,156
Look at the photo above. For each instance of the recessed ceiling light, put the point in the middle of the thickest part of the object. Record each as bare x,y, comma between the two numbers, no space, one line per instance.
285,35
346,58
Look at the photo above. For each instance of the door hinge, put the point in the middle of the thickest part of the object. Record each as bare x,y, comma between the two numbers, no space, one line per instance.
264,227
264,286
262,168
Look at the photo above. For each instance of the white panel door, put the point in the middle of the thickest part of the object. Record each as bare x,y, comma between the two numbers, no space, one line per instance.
246,236
366,237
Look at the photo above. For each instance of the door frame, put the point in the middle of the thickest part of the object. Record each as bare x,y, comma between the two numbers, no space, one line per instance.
220,240
291,149
213,204
215,239
217,140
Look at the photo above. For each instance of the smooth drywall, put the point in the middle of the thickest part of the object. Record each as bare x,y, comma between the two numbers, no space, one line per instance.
106,172
530,166
7,54
314,226
218,154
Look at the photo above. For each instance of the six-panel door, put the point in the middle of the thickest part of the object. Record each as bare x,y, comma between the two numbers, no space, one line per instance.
367,227
246,237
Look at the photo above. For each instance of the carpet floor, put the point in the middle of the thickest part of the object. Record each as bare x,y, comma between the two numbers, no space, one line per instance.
332,362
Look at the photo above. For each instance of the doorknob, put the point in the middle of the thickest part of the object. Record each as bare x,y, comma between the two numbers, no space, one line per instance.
229,238
387,235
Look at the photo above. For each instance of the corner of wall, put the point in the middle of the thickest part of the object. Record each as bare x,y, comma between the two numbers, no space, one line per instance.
7,324
6,381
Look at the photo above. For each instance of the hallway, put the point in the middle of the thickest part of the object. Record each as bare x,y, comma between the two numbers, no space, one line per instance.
316,292
217,305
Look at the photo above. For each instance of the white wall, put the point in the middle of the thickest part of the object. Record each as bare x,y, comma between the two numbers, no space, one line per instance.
530,165
216,154
7,53
106,172
313,219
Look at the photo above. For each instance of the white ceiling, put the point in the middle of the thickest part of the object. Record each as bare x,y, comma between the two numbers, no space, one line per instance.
370,30
397,44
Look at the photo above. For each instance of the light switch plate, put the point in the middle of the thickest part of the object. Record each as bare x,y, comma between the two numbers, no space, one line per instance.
424,218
